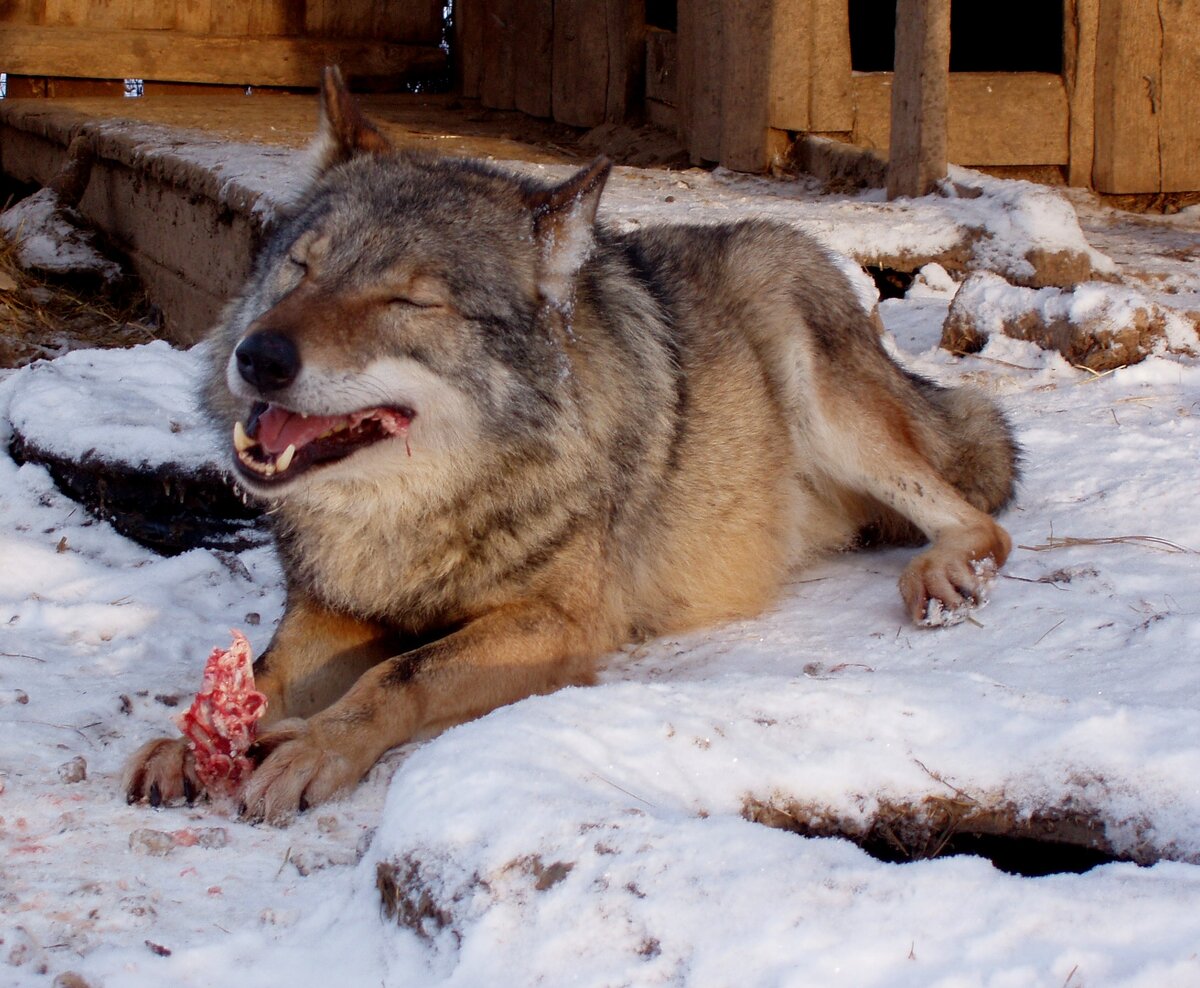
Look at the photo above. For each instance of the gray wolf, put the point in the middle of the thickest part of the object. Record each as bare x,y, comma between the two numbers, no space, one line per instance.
500,440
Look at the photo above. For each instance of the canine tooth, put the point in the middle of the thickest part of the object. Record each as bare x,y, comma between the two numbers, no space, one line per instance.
285,458
241,441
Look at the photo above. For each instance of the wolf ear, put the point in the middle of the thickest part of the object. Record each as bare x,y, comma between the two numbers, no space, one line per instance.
563,220
344,132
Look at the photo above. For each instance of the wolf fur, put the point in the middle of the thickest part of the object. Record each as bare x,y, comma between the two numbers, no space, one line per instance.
597,437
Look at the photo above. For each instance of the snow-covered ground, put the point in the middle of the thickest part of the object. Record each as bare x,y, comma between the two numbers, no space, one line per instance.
596,837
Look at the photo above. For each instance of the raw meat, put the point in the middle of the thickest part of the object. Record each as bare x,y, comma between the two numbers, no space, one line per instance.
222,721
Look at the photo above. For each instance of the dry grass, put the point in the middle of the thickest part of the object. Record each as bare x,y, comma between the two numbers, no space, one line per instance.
1149,541
44,318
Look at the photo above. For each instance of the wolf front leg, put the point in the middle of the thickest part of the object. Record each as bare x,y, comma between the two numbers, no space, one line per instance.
315,656
505,655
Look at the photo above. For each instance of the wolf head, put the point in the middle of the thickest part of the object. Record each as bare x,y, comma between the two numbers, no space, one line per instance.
409,306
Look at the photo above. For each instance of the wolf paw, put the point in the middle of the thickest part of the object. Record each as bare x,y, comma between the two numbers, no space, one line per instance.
162,772
941,591
298,769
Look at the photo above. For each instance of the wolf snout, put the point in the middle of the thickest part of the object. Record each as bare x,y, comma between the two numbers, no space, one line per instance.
267,361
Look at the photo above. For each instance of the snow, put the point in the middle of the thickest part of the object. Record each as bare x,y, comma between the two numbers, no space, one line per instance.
596,836
148,395
54,238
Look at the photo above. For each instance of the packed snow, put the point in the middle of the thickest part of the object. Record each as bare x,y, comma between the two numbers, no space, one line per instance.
598,836
52,237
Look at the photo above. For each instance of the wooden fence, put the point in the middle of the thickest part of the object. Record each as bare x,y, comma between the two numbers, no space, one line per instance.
738,79
239,42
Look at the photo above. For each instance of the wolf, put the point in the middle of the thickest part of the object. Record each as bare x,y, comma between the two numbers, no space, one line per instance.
500,439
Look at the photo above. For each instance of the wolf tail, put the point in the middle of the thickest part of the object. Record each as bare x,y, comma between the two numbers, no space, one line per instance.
974,448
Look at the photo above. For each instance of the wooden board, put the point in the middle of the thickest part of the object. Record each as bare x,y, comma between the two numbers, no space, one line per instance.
1179,88
497,79
830,108
786,52
746,75
1129,47
88,53
533,25
920,97
698,88
468,35
995,118
25,86
1080,25
581,55
625,32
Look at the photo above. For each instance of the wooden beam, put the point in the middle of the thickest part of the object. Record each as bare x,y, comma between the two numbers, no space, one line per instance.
920,94
766,76
830,108
994,118
1178,115
176,57
580,75
698,91
1129,46
1080,23
533,24
468,34
497,81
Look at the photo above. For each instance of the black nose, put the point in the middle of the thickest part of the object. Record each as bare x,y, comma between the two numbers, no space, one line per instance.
268,360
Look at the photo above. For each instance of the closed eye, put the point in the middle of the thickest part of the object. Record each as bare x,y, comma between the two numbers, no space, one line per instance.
404,300
298,262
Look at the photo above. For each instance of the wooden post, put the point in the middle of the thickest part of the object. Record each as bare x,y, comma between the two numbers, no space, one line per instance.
698,90
921,82
1079,72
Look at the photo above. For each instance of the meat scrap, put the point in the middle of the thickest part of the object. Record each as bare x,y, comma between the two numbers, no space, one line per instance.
222,721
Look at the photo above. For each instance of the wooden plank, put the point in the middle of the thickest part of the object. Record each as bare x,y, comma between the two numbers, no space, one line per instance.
109,14
177,57
920,97
662,67
1178,115
626,44
24,86
533,25
581,55
1080,24
340,18
1129,46
55,13
994,118
786,52
415,22
468,35
759,88
698,91
830,106
497,81
194,16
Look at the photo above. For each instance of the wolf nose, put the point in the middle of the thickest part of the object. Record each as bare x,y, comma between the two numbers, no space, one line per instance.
268,361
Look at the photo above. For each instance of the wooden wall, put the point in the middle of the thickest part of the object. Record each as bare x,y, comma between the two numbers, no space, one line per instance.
240,42
581,62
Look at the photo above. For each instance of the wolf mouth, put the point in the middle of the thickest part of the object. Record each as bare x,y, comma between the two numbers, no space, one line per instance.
275,444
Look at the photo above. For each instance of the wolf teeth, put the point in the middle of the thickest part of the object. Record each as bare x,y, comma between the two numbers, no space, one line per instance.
285,458
241,441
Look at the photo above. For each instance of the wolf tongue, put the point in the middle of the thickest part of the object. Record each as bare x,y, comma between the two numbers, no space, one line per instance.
278,428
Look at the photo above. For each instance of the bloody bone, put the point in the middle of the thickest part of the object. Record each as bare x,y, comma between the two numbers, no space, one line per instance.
222,721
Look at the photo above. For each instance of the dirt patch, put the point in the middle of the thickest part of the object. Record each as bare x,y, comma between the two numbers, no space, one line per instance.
42,317
1045,841
1095,326
167,508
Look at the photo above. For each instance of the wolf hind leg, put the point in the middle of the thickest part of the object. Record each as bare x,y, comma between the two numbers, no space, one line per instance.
876,444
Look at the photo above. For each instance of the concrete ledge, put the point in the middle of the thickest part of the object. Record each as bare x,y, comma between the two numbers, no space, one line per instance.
187,209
